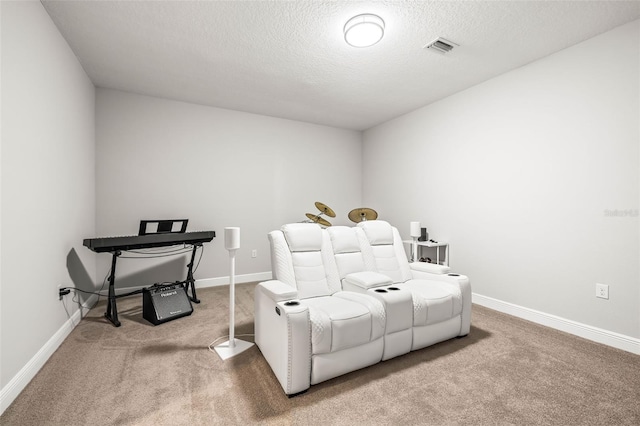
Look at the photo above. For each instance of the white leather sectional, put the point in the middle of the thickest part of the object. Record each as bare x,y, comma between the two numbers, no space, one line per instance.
344,298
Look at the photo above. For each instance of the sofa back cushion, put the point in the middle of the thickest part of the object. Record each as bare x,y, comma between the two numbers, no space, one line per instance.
386,249
312,264
346,250
303,237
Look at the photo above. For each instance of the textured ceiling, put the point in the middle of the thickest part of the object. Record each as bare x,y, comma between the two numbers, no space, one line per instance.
288,58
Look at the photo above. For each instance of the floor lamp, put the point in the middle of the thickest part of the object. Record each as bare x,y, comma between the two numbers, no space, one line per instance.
232,346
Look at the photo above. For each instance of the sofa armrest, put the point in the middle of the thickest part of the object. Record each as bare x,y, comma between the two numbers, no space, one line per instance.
283,334
465,289
431,268
460,283
364,280
278,291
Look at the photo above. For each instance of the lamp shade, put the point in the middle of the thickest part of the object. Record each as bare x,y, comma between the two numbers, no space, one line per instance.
414,229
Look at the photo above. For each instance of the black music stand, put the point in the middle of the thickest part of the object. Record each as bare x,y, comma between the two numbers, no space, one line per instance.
176,226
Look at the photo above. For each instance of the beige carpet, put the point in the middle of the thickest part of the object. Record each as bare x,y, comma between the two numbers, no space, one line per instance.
506,372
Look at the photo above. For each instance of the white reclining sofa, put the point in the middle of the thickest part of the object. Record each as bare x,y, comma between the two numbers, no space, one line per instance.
344,298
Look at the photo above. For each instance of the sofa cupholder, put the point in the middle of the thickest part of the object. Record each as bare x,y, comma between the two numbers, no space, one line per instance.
380,290
291,303
454,275
393,288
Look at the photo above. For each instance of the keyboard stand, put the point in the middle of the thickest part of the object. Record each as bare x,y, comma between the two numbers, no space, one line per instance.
191,282
116,245
112,309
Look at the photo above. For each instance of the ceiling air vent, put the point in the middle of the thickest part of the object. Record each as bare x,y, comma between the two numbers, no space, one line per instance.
441,45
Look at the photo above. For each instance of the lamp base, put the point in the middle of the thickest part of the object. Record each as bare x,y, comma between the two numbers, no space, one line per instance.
225,351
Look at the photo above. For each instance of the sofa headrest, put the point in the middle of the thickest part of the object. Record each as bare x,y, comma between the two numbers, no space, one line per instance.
343,239
303,236
378,232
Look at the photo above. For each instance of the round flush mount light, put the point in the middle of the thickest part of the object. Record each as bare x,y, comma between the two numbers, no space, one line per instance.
364,30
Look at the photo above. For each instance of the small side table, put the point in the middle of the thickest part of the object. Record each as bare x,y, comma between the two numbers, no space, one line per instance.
432,244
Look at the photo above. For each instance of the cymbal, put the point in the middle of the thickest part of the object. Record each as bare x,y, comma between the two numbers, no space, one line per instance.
362,213
325,209
318,219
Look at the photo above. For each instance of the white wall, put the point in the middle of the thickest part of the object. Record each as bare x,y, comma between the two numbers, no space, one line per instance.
521,175
158,159
48,195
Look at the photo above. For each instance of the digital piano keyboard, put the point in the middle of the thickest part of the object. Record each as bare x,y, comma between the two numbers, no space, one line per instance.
133,242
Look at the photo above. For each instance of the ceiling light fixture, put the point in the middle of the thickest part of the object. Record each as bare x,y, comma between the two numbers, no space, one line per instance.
364,30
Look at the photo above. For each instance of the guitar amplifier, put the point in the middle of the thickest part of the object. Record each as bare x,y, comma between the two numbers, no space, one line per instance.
165,303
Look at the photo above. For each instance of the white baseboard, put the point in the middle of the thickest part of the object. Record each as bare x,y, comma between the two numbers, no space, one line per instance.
12,389
609,338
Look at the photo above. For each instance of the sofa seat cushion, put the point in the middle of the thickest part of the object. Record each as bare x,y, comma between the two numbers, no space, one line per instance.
338,323
433,301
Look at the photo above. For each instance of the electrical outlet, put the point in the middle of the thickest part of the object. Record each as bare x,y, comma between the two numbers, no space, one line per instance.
254,253
602,291
62,291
